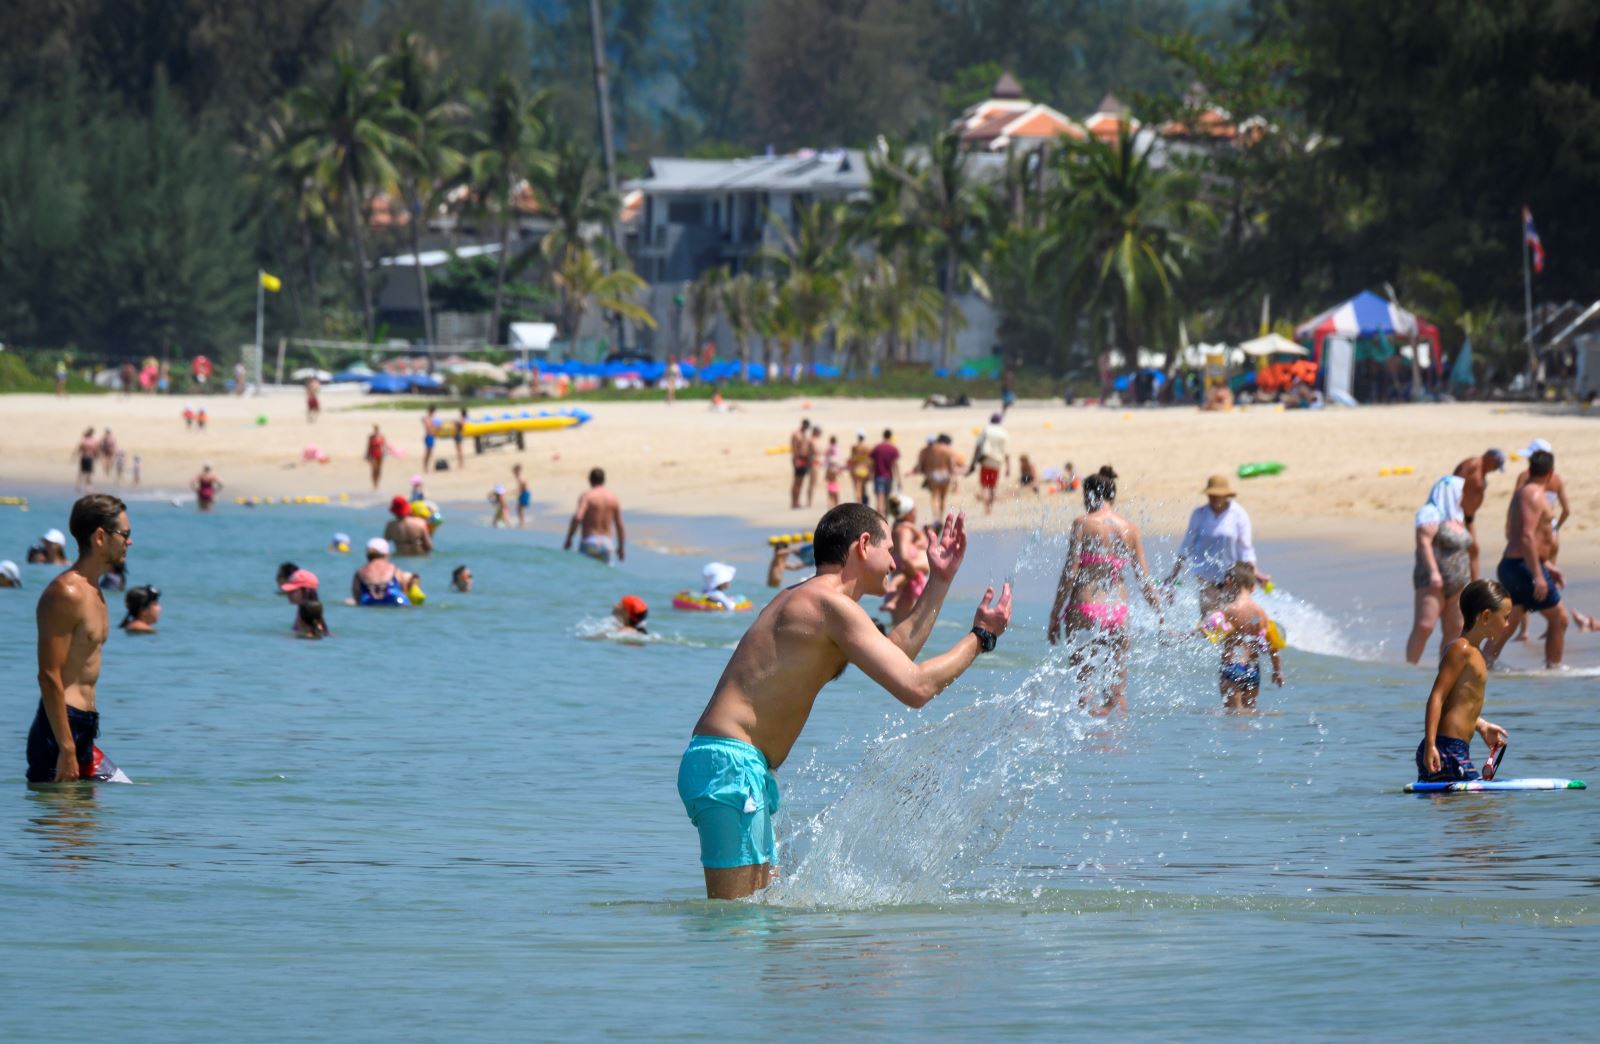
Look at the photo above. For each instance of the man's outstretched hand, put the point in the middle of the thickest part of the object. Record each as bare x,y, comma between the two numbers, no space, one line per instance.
946,553
994,614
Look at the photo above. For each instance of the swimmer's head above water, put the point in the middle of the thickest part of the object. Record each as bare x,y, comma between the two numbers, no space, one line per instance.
631,611
144,608
461,578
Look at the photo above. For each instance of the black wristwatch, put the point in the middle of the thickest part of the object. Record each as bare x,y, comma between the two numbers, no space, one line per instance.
986,639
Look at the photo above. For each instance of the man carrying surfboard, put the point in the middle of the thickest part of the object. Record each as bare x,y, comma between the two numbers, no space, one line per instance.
1455,703
802,640
73,625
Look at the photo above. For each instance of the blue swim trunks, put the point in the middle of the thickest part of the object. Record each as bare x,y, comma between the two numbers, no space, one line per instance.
1515,576
1245,675
1455,761
730,796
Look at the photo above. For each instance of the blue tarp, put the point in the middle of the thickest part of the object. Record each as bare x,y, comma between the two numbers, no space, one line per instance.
396,384
489,417
1122,383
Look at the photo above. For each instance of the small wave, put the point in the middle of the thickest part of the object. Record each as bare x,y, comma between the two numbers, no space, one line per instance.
605,628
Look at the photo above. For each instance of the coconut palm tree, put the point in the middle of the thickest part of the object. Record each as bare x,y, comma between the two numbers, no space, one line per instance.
705,303
434,131
509,155
583,283
946,202
862,317
812,259
780,324
345,131
287,178
743,303
572,191
1126,231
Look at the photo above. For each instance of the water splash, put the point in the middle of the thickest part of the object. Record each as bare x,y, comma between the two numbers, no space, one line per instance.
923,809
1312,630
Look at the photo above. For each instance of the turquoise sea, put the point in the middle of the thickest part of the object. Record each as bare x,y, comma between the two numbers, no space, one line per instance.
460,821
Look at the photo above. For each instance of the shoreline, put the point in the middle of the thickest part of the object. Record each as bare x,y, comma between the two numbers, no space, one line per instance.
685,462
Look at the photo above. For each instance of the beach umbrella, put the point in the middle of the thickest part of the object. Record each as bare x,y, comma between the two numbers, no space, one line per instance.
1272,344
479,368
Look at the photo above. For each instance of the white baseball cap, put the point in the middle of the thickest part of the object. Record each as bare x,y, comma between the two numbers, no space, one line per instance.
378,545
55,536
1535,446
9,570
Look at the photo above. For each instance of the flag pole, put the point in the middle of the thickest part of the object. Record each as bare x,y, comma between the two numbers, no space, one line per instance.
261,303
1527,296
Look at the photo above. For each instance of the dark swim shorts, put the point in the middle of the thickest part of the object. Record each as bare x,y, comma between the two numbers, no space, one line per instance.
1455,761
43,749
1515,576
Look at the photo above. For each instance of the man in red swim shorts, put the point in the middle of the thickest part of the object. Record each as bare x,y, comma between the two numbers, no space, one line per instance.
992,454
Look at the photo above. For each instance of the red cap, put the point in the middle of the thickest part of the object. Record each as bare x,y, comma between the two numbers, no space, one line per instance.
399,507
633,607
299,580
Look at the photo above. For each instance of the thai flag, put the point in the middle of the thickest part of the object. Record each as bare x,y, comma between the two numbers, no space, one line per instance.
1530,236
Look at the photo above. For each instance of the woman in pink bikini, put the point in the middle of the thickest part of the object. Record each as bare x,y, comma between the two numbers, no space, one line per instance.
908,543
1092,596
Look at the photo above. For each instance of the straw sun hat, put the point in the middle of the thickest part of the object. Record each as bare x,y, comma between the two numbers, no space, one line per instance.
1219,486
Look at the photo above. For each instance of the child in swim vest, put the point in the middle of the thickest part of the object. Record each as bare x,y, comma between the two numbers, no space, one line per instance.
1243,627
1455,703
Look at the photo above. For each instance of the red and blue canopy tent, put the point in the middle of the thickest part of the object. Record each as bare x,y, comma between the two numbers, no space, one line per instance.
1366,315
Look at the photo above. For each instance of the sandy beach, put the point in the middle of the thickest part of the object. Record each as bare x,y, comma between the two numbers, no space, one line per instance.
686,460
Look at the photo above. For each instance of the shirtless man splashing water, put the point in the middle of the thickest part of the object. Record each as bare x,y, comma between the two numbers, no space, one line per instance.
802,640
73,625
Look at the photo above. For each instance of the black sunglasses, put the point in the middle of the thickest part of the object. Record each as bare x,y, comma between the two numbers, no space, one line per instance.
123,533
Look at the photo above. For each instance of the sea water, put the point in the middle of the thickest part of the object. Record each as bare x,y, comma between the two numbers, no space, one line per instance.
462,820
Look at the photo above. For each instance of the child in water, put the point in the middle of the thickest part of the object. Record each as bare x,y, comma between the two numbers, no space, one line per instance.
1455,704
630,614
498,499
1244,626
312,625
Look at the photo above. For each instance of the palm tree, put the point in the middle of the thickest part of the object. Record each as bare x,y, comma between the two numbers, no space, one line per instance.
1130,229
862,317
705,303
509,155
345,131
289,180
913,308
813,258
582,283
947,203
780,324
572,190
433,131
744,301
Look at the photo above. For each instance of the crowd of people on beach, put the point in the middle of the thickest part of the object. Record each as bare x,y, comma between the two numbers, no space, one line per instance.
870,543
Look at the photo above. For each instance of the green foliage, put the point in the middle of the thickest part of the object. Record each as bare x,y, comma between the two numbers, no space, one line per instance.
466,284
126,234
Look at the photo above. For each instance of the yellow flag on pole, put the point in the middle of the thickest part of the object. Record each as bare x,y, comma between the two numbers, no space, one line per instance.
271,283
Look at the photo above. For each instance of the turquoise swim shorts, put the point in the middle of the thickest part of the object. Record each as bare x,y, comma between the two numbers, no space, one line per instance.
730,796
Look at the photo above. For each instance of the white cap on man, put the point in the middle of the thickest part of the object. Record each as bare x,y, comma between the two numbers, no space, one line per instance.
56,537
9,570
1535,446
